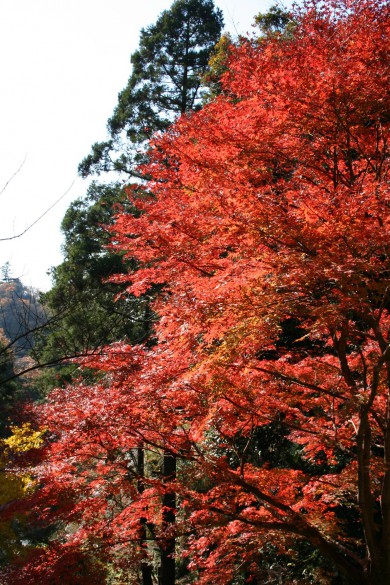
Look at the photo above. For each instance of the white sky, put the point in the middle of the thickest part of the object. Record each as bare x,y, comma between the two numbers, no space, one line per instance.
62,64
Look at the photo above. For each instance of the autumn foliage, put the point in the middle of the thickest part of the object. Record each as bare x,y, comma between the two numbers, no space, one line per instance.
266,226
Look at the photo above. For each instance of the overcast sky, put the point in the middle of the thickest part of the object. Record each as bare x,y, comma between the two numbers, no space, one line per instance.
62,64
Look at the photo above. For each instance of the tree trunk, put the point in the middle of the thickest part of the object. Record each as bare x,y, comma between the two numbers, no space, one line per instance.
167,573
146,568
379,574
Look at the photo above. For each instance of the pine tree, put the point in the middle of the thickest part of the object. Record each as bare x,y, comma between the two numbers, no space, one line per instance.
166,81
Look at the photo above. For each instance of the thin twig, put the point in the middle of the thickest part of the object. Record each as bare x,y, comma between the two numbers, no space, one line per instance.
41,216
13,176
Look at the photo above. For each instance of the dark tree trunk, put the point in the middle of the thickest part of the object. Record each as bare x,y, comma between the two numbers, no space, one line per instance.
146,568
379,572
167,573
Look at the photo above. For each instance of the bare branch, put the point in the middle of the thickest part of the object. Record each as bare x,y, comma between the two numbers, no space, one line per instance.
13,176
41,216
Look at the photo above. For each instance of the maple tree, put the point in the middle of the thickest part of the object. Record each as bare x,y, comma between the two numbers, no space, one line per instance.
267,228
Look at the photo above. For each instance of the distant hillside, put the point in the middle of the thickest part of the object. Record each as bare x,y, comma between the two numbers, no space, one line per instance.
20,315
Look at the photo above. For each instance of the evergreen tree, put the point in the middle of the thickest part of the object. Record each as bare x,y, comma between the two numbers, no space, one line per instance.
276,21
166,81
84,311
